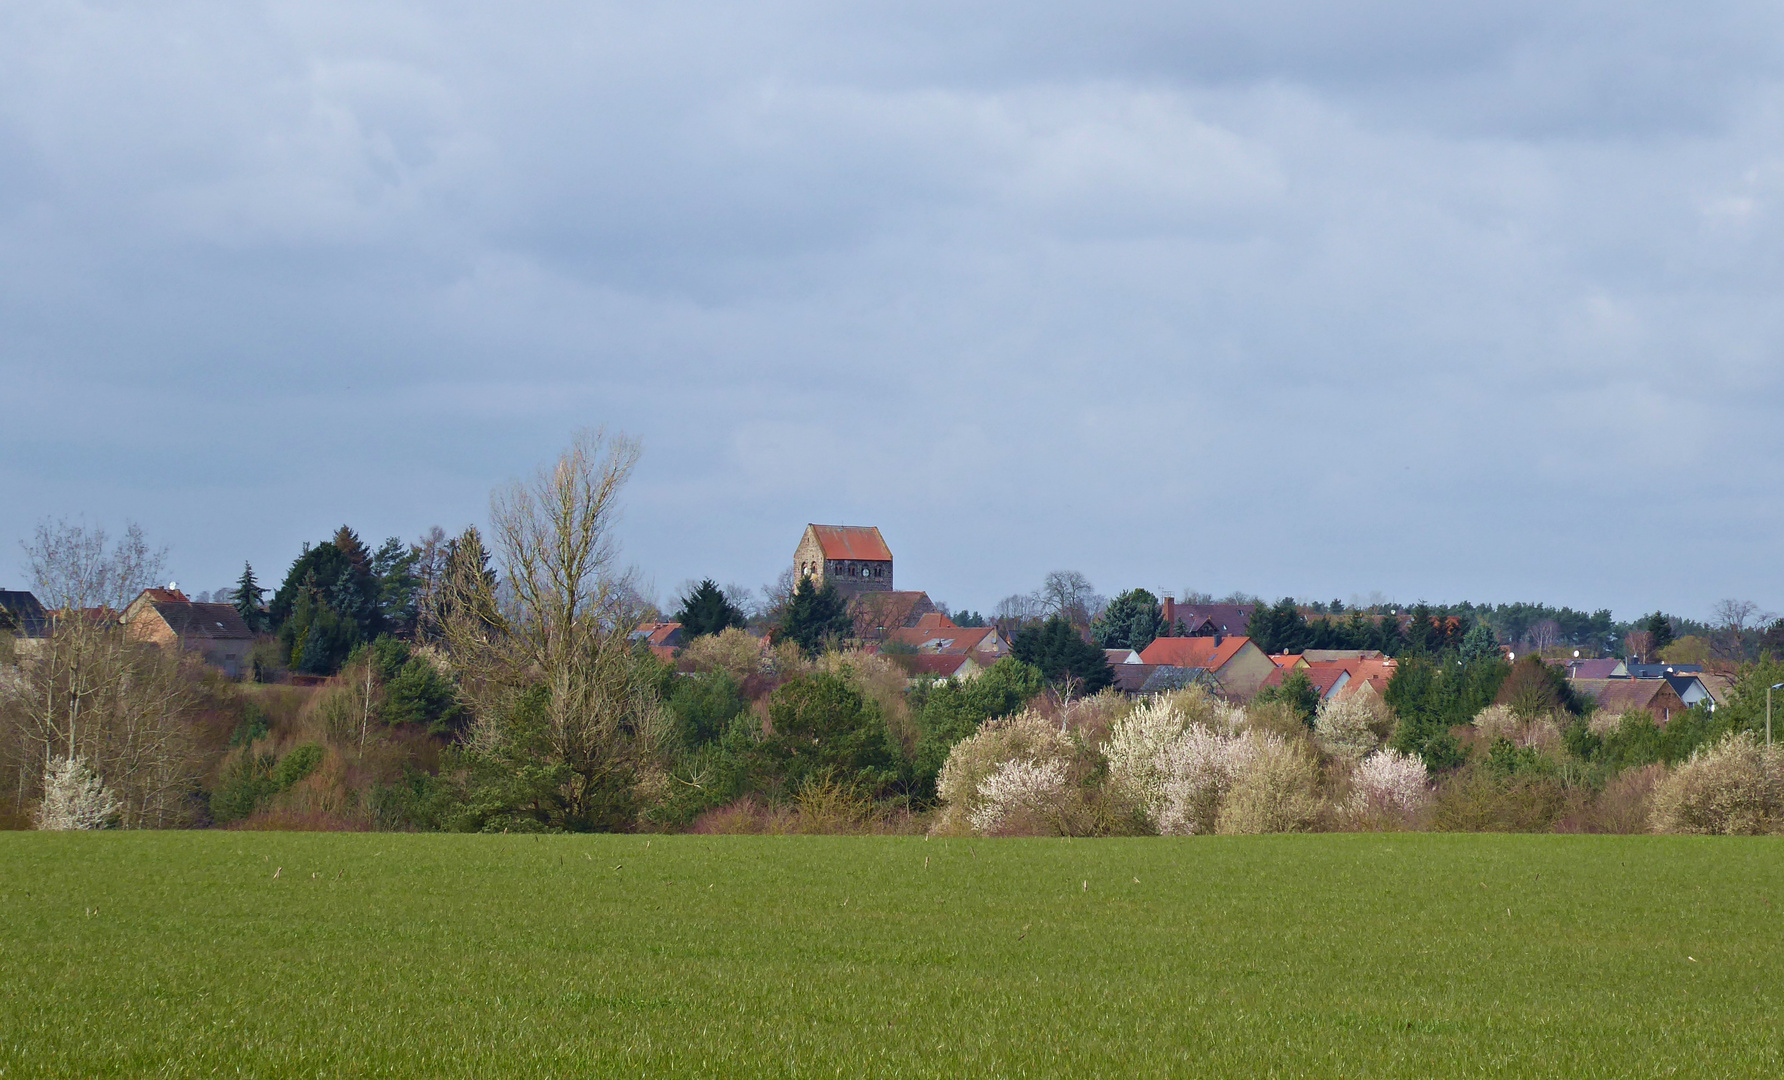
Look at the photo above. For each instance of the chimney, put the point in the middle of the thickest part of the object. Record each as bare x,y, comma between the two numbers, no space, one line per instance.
1218,638
1169,610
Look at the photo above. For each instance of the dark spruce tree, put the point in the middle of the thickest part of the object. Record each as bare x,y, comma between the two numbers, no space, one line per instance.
1296,691
248,594
399,586
1065,658
816,618
1280,628
706,610
327,604
1131,621
1660,626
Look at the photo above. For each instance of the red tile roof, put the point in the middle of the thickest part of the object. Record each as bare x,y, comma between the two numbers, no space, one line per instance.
1199,652
957,640
852,542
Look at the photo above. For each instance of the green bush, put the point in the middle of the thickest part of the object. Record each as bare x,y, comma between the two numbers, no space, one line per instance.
955,709
824,729
242,787
253,725
704,706
296,765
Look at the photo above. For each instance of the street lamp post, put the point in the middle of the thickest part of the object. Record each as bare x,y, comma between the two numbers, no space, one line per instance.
1768,710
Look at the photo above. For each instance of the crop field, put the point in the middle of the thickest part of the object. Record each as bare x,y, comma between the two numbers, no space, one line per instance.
294,954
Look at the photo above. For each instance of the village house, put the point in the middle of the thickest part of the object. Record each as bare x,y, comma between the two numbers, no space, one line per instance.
1204,620
878,613
930,668
936,634
661,638
1338,679
852,558
1234,663
215,632
1656,697
22,616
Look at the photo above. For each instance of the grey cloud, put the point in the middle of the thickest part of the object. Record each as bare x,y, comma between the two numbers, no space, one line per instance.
1468,301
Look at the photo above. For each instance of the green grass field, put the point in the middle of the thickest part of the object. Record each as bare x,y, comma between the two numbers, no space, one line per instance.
183,954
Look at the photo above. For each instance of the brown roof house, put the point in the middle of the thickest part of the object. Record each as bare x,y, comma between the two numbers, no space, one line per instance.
853,558
1239,666
936,635
1656,697
1204,620
932,668
167,618
663,639
878,613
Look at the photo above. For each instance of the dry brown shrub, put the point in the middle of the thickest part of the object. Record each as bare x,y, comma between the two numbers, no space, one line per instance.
1734,788
1473,801
747,816
1626,804
821,809
291,821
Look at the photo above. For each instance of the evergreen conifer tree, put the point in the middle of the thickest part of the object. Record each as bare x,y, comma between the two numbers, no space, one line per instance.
817,617
1660,626
706,610
1479,643
248,595
1131,621
1063,656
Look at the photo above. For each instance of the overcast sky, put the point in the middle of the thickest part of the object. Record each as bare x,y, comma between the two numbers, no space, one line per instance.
1446,301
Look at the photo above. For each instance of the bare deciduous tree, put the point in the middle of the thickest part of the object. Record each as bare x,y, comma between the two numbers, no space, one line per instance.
1545,634
74,565
124,707
1069,594
1735,622
560,624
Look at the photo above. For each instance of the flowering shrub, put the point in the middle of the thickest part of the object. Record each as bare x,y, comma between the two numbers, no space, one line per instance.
1187,776
73,798
1497,721
1018,788
1136,749
1389,784
1349,726
1198,770
1735,787
1027,738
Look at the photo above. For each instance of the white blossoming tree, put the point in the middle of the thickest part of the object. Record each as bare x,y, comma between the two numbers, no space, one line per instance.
1348,726
1388,785
1018,788
1007,766
74,798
